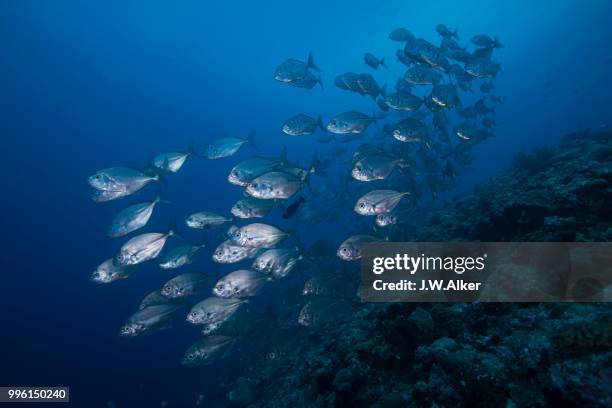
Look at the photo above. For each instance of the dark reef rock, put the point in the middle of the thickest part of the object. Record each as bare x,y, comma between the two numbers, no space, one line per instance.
471,355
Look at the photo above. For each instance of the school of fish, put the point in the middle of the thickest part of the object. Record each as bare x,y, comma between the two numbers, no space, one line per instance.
424,130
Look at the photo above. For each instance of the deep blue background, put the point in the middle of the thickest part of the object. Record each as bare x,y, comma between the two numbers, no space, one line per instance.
88,85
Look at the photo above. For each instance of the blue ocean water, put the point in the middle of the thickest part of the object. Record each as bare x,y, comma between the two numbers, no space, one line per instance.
92,85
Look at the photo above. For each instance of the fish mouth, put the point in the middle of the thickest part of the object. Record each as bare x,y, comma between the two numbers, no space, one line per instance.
235,181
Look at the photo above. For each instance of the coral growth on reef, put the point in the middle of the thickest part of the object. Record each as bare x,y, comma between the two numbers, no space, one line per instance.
478,354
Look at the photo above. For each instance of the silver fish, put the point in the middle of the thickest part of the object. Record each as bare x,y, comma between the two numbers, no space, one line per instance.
277,262
102,196
246,171
132,218
308,82
421,75
252,208
293,71
372,61
240,284
323,310
155,298
228,252
171,162
302,125
258,235
108,272
227,146
465,129
185,285
350,249
180,256
375,167
403,101
410,130
378,202
142,248
445,95
401,34
239,324
149,319
207,350
368,85
445,32
403,57
323,284
482,68
392,218
274,185
213,310
349,122
206,219
350,82
483,40
121,179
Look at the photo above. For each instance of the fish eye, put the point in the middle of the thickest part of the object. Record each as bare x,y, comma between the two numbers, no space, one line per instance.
191,357
344,250
254,185
220,287
218,253
362,205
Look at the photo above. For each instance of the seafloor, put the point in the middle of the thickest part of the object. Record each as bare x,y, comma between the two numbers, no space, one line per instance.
477,354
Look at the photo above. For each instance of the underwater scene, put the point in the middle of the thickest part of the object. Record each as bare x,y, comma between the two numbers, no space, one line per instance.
189,189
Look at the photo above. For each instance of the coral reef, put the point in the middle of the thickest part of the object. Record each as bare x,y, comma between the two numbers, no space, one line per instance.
477,354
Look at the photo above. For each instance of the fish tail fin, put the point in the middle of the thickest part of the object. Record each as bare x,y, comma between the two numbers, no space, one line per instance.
190,148
401,163
311,63
315,166
320,81
283,155
383,90
382,62
159,175
251,139
204,242
159,199
172,230
320,123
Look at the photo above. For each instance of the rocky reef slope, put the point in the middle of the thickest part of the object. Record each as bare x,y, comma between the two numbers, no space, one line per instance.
472,355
